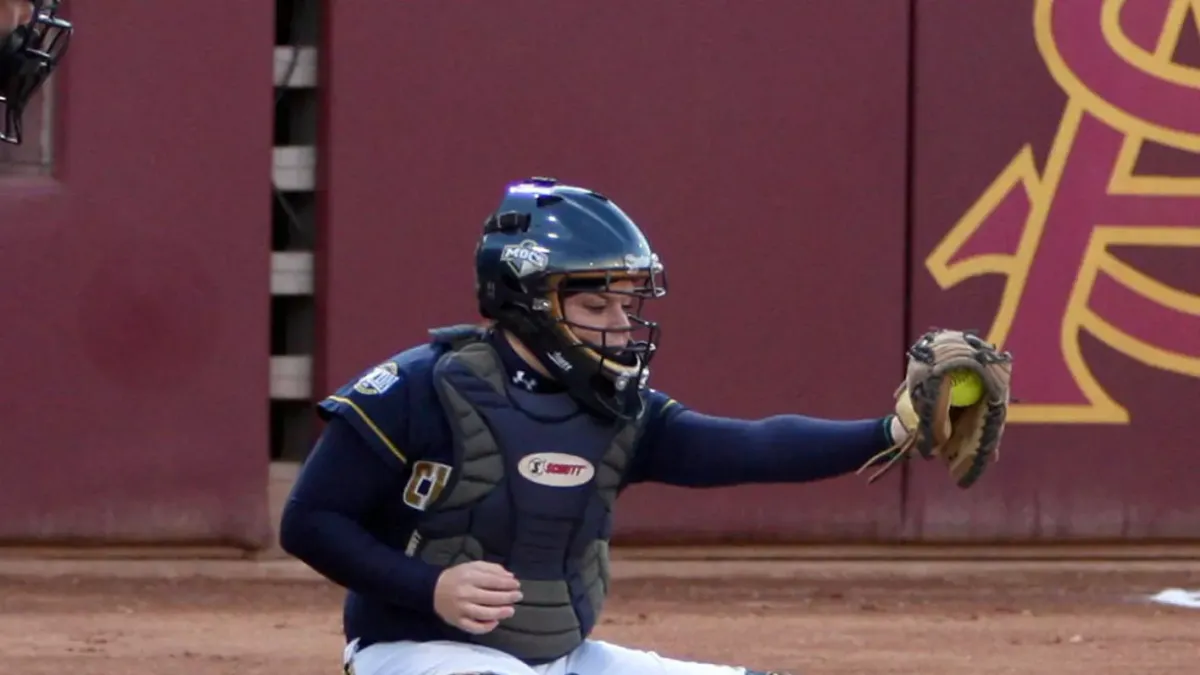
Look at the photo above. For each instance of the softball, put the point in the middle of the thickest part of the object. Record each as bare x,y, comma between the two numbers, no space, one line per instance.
966,388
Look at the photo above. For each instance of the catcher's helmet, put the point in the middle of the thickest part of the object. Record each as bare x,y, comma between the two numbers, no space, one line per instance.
28,55
546,240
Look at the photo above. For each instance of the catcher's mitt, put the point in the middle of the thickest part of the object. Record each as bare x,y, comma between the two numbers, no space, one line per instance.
967,437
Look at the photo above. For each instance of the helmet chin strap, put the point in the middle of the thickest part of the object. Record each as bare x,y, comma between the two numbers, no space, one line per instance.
529,357
526,355
548,358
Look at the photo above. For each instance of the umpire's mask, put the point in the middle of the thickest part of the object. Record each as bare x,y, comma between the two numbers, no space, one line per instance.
28,56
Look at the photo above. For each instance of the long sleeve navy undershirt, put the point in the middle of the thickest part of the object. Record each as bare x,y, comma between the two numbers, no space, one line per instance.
341,483
344,480
691,449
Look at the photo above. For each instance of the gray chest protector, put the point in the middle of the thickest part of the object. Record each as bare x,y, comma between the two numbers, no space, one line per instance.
532,489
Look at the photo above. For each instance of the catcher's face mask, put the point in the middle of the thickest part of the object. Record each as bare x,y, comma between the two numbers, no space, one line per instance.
607,318
600,325
28,56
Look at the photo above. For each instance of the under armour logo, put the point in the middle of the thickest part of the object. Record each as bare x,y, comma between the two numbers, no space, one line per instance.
521,379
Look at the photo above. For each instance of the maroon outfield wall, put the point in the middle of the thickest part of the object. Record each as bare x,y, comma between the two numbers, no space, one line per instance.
134,369
1103,440
762,150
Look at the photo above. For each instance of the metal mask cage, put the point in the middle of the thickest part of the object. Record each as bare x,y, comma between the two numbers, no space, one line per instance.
28,57
625,363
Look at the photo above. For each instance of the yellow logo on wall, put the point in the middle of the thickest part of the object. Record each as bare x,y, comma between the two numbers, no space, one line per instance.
1049,232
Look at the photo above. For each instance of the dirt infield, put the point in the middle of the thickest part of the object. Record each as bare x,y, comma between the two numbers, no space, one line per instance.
810,617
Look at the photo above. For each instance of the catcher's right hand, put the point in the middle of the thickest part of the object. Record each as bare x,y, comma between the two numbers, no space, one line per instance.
966,438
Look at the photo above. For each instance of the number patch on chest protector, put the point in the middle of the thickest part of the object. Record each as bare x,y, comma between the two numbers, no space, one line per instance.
556,469
426,484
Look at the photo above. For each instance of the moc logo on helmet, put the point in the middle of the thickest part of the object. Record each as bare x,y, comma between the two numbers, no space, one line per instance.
526,257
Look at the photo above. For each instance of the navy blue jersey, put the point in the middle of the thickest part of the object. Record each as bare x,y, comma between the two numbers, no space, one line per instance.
387,449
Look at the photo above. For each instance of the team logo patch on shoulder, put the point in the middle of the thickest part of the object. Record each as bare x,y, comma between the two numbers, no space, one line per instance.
556,469
526,257
380,379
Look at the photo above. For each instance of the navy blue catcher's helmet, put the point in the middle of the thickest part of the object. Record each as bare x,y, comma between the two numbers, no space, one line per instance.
28,56
546,240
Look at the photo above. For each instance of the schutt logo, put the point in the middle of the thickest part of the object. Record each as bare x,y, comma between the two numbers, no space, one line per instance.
1049,232
556,469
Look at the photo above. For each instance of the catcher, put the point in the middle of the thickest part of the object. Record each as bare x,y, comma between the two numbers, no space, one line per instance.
463,489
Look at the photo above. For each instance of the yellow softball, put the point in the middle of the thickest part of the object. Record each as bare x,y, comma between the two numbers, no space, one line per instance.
966,387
